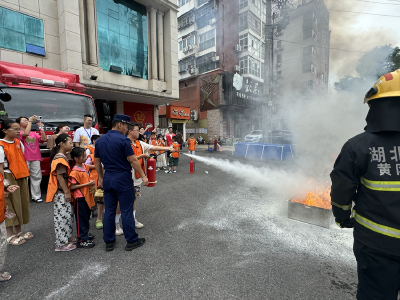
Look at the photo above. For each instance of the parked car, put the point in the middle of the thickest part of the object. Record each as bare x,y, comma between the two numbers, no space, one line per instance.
256,136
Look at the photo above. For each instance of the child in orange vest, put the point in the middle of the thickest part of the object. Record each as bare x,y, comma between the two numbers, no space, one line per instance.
58,192
161,162
174,159
83,197
93,175
191,143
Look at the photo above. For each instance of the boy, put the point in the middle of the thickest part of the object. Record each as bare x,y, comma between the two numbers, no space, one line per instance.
153,140
173,161
82,193
141,150
94,176
192,144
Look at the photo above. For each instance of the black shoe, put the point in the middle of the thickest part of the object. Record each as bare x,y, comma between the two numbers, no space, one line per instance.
86,244
137,244
110,246
91,237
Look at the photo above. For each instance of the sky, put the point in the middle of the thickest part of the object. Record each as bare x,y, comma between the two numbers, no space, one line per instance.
360,32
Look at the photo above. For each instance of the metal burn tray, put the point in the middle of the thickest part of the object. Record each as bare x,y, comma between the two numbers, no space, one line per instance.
310,214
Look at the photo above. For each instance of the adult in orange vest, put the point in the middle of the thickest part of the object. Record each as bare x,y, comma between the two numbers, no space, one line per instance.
174,160
4,191
141,151
14,169
81,185
191,143
58,193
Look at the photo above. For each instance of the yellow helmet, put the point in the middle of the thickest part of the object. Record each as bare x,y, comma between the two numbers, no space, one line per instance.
387,86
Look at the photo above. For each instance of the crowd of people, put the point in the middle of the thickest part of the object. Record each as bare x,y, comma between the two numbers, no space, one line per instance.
84,176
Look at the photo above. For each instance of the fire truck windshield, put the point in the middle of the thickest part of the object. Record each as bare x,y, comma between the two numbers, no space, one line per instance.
54,107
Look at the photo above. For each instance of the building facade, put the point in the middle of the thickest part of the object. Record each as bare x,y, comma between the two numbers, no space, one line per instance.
218,39
125,52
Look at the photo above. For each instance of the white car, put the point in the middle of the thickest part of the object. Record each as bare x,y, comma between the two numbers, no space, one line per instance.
256,136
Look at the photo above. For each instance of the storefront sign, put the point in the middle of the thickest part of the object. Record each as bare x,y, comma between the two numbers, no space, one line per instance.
250,89
178,112
178,121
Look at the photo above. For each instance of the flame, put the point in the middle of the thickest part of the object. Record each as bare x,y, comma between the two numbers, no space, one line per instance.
320,198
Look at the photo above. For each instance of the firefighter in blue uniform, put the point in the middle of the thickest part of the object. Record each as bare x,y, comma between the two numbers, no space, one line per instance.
367,173
114,151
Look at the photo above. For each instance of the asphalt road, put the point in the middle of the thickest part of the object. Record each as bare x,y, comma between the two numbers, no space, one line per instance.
208,236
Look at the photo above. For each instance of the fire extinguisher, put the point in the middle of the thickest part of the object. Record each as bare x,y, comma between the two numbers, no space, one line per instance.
192,167
151,171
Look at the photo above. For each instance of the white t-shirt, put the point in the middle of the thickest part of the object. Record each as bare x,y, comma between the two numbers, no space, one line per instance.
3,158
146,149
83,136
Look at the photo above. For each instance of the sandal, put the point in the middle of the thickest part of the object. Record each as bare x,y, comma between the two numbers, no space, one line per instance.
65,248
26,235
18,240
5,277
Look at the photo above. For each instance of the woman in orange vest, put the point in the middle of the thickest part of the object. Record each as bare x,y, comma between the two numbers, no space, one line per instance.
14,169
58,192
82,188
174,160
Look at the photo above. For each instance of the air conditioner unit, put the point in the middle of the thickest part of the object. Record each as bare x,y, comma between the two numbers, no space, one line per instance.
212,21
215,58
237,68
238,48
192,71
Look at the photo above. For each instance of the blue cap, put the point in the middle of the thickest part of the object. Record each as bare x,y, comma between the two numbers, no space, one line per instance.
122,118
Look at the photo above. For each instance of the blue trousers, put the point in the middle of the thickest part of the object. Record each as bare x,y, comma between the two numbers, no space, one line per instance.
82,215
119,188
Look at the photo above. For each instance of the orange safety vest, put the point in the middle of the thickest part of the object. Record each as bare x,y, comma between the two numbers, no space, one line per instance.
93,175
161,144
176,147
91,149
16,160
82,177
139,151
53,182
191,144
2,200
154,143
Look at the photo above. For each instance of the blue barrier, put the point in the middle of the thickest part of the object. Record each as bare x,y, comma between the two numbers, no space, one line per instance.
264,151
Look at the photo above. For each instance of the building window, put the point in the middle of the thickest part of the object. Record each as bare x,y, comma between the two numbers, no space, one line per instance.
249,65
183,2
250,43
204,20
313,69
314,52
20,32
207,40
191,40
315,19
200,2
205,62
186,64
279,44
243,4
279,58
314,34
248,20
185,21
122,36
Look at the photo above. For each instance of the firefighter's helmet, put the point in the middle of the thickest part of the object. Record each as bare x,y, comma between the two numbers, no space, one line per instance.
387,86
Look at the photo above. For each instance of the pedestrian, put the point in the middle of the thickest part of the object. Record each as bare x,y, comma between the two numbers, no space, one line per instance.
99,200
33,157
82,188
114,151
161,162
168,138
59,193
366,174
141,151
191,144
14,169
83,135
63,128
174,159
5,190
179,139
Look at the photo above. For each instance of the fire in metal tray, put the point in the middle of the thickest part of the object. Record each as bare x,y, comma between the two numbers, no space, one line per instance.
318,198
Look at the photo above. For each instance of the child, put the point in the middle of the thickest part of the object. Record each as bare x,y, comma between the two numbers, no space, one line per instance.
58,192
191,143
83,197
173,161
95,177
161,162
15,170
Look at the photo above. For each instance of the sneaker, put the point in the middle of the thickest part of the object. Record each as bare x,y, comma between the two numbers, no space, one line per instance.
174,171
37,200
157,170
86,244
118,229
65,248
167,172
99,224
138,224
137,244
110,246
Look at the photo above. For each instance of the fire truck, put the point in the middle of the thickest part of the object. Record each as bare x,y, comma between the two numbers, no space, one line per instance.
55,95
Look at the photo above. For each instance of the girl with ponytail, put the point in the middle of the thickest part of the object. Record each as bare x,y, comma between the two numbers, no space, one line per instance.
14,170
58,192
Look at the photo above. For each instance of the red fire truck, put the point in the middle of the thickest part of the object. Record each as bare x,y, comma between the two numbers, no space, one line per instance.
55,95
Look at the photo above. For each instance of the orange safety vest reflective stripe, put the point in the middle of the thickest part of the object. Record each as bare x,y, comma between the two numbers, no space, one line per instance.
82,177
53,182
139,151
176,147
93,175
2,200
16,160
192,144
